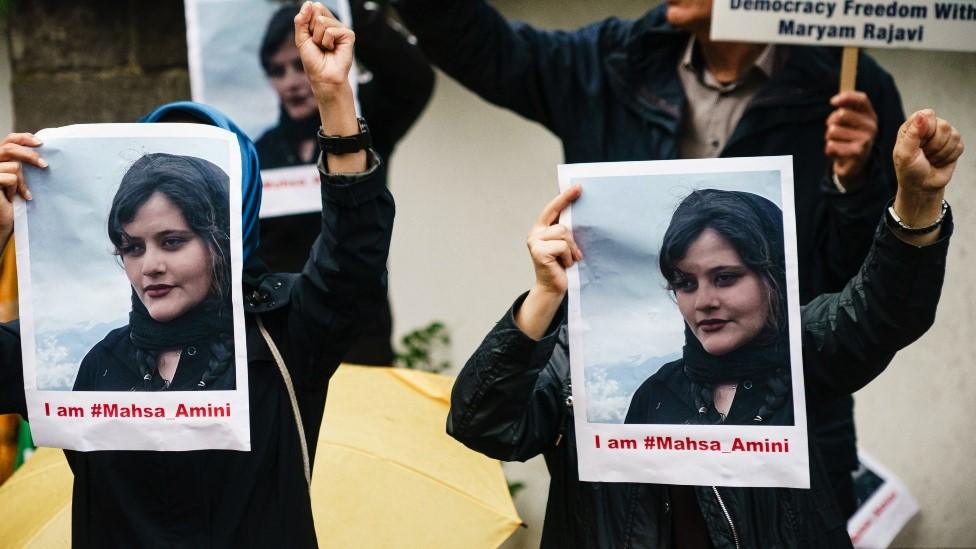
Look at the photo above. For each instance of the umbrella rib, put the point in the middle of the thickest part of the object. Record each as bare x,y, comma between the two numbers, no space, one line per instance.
517,520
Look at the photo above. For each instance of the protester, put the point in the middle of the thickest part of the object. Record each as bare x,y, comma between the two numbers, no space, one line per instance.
510,400
659,88
258,498
396,87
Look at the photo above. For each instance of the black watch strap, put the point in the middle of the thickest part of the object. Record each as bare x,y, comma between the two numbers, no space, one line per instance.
335,144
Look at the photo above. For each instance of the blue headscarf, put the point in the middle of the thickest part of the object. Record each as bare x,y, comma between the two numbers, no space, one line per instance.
250,169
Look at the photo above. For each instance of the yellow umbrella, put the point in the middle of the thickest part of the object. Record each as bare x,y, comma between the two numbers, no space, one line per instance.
386,474
36,503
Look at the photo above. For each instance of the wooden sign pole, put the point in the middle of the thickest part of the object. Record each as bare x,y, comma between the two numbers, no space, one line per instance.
848,69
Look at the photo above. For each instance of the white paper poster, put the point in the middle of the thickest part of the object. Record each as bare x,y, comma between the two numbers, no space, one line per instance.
129,264
649,354
911,24
243,61
884,505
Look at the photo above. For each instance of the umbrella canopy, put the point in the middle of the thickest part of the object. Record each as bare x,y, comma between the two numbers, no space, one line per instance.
386,474
36,503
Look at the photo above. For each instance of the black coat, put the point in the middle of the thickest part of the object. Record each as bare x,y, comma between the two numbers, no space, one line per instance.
610,92
223,498
512,402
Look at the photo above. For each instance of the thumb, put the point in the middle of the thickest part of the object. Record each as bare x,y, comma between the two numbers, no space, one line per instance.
303,22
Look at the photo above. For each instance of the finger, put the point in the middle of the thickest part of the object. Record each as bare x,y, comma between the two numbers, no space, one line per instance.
915,131
319,36
854,100
26,139
13,151
319,10
8,182
303,21
844,133
949,152
341,36
853,119
941,136
547,251
561,232
552,210
22,188
846,149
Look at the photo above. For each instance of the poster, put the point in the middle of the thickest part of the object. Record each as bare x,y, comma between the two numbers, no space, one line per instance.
720,314
910,24
884,505
243,61
129,260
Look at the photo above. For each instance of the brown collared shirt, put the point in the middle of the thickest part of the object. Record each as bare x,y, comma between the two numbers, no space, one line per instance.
713,109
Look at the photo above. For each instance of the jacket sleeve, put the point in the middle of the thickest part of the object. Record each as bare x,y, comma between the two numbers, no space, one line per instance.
852,217
548,77
402,80
12,400
347,261
850,337
507,400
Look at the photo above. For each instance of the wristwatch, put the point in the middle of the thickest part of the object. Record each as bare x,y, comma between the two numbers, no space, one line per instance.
904,228
346,144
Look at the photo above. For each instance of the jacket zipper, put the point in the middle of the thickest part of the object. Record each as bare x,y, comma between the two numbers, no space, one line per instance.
728,517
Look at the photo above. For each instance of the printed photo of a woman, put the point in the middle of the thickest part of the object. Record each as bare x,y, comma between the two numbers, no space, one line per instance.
723,258
169,225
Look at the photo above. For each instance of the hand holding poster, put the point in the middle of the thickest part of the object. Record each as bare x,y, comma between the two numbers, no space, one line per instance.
129,260
663,309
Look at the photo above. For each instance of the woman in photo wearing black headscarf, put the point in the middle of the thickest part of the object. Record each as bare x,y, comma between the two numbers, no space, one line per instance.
723,258
169,224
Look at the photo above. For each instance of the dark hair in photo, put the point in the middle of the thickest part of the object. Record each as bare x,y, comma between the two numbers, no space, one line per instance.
280,28
754,227
197,187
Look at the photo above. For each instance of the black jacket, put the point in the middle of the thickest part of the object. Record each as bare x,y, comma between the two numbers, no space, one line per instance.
610,92
512,402
222,498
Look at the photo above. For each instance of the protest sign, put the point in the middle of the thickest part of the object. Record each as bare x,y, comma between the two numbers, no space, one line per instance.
884,505
914,24
632,335
243,61
129,261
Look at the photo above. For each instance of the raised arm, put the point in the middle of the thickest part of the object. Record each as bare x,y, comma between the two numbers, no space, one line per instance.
507,400
349,257
543,76
850,337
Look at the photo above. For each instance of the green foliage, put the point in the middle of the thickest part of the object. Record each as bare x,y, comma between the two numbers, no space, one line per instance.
6,7
425,348
515,487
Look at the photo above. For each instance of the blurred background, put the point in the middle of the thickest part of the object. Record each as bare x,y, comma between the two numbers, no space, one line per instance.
469,180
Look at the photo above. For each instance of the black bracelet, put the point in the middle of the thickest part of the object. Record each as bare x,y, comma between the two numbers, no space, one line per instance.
903,227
